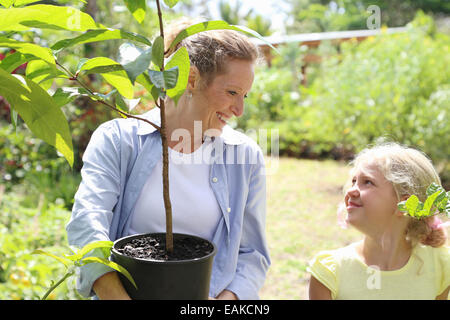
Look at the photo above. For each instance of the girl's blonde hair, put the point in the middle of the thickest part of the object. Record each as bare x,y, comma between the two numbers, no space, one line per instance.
210,51
411,172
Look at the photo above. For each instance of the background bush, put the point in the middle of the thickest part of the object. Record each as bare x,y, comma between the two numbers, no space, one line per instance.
22,230
33,169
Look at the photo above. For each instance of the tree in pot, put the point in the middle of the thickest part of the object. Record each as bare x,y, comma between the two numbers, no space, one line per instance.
30,99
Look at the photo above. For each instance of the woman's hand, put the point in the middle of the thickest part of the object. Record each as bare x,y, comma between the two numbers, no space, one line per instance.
109,287
225,295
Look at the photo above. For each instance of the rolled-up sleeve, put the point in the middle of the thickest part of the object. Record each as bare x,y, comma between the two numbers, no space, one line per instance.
95,200
253,259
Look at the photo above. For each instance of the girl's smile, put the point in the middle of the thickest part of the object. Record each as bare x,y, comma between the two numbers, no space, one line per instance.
352,205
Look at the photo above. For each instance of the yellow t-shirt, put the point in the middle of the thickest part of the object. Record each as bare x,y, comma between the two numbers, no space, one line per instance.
425,276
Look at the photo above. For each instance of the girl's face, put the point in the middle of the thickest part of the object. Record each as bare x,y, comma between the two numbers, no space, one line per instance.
371,201
223,98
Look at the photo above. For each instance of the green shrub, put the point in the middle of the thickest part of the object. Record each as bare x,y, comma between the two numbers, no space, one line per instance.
391,86
32,168
22,230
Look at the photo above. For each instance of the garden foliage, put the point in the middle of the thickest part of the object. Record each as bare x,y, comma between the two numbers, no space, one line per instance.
22,230
392,86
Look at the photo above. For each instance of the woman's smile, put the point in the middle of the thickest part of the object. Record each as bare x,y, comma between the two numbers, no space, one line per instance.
224,96
223,118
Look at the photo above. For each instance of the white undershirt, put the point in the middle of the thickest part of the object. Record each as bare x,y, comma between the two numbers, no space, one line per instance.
195,209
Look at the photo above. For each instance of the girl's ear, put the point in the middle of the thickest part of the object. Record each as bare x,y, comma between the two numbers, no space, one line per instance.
194,78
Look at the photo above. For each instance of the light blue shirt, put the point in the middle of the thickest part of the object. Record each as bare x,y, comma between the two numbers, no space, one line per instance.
116,164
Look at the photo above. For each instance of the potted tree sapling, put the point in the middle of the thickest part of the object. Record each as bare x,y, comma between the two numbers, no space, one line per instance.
151,266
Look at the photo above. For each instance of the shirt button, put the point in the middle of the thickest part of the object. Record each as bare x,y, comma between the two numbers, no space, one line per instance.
228,210
214,179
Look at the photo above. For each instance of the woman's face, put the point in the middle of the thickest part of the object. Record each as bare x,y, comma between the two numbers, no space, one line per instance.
224,96
371,201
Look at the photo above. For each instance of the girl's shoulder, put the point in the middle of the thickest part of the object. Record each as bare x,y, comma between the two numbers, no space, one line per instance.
335,257
438,260
439,251
439,254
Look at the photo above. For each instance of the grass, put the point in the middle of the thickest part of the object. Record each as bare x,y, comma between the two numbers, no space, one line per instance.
302,199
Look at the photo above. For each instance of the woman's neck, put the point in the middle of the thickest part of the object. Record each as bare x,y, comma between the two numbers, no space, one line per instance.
387,251
183,134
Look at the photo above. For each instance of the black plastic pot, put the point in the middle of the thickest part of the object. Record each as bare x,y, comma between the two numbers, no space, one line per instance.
165,280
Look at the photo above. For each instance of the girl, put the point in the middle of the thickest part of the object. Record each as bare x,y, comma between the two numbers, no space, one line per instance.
400,257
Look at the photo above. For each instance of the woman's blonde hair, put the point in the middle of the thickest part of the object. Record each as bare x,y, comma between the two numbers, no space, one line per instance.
411,172
209,51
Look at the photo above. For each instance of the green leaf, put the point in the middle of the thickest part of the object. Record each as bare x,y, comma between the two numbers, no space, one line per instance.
181,60
444,203
121,105
63,96
112,265
72,258
158,93
112,72
19,3
157,78
64,262
14,115
433,188
134,60
100,35
6,3
12,61
100,96
93,245
158,52
171,3
45,16
99,65
430,202
124,104
43,73
144,80
166,79
28,48
81,64
441,197
137,8
42,116
216,25
411,205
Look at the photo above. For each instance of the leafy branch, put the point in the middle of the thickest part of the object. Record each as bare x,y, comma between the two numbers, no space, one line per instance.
96,97
437,202
78,259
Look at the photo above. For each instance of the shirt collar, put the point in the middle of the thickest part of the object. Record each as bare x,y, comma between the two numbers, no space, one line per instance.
228,136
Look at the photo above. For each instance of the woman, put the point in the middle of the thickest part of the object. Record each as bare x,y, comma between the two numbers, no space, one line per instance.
220,198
